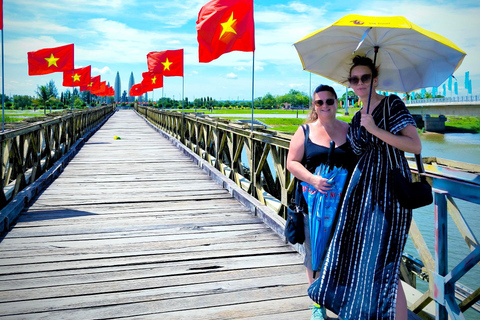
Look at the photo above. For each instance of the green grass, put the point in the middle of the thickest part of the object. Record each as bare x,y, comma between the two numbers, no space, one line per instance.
462,124
242,111
19,115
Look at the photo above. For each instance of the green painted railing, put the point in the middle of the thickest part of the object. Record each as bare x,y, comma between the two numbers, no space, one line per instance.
29,152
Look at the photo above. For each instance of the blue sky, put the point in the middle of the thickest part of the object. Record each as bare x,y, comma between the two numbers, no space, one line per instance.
116,35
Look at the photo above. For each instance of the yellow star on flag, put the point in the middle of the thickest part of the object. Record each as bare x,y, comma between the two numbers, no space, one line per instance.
76,77
227,26
90,84
166,65
52,60
154,79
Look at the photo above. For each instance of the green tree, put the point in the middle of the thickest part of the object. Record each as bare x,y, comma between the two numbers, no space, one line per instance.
21,102
78,103
5,98
269,101
45,96
52,89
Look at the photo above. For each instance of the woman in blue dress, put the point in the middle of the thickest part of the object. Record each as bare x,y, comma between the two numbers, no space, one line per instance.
323,127
360,275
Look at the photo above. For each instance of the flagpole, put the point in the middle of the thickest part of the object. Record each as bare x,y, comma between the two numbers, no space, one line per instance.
253,81
3,89
183,90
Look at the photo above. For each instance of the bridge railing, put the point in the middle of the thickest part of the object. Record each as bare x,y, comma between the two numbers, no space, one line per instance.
28,152
222,143
445,99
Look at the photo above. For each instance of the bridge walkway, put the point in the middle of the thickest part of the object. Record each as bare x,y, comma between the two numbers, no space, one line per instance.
133,229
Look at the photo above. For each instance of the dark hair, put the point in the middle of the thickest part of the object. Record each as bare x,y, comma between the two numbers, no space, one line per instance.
364,61
324,87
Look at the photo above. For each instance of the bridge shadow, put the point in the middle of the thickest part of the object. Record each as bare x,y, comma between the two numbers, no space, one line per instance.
44,215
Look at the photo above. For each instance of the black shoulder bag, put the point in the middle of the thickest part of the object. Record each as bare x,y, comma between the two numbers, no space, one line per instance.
411,195
294,228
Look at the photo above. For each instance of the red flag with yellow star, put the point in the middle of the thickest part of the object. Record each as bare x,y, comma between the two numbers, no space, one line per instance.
152,80
224,26
50,60
93,85
1,14
77,77
101,88
169,63
136,90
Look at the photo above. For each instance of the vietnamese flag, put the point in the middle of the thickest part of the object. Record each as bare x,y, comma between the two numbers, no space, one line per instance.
224,26
136,90
152,81
77,77
50,60
93,85
169,62
101,89
1,14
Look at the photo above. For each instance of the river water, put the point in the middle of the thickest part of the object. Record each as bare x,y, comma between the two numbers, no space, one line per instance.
463,147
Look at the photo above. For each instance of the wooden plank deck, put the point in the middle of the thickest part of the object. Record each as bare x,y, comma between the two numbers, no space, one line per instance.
133,229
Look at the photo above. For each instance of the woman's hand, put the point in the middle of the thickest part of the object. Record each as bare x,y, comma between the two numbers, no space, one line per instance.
367,121
321,184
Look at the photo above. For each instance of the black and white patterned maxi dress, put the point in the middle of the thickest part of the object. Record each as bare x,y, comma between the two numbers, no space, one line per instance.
359,277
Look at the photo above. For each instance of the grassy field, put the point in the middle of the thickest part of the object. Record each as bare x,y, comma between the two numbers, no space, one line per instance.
19,115
460,124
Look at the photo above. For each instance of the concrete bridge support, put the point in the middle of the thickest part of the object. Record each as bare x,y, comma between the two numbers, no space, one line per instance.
434,124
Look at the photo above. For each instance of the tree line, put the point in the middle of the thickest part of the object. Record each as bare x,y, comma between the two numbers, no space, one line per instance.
47,97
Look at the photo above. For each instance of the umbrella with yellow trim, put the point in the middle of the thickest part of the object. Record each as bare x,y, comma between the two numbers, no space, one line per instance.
408,57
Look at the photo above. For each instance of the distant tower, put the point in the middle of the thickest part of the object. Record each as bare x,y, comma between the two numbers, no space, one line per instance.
118,88
146,96
131,82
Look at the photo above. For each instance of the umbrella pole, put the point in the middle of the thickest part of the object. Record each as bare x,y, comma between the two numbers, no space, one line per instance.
370,92
371,80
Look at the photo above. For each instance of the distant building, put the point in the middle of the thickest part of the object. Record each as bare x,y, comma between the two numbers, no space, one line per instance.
131,82
118,88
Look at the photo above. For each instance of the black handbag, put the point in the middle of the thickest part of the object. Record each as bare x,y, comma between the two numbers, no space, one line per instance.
294,226
411,195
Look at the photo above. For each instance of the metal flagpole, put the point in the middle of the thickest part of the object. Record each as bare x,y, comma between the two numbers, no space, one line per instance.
253,82
183,90
3,89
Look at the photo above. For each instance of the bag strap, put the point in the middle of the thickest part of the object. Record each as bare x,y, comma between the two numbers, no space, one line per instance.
306,131
418,157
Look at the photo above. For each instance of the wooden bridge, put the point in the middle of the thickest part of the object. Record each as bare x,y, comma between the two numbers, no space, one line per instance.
133,228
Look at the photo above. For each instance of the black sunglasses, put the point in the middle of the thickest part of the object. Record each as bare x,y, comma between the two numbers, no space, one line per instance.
364,78
329,102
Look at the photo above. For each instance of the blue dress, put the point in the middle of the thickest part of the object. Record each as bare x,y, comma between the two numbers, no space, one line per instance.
316,155
360,274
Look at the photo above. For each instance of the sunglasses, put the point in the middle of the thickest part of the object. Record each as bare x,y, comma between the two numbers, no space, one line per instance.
328,102
364,78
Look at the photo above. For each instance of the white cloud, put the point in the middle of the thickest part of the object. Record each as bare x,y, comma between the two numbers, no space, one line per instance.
175,13
69,5
105,70
231,75
296,85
